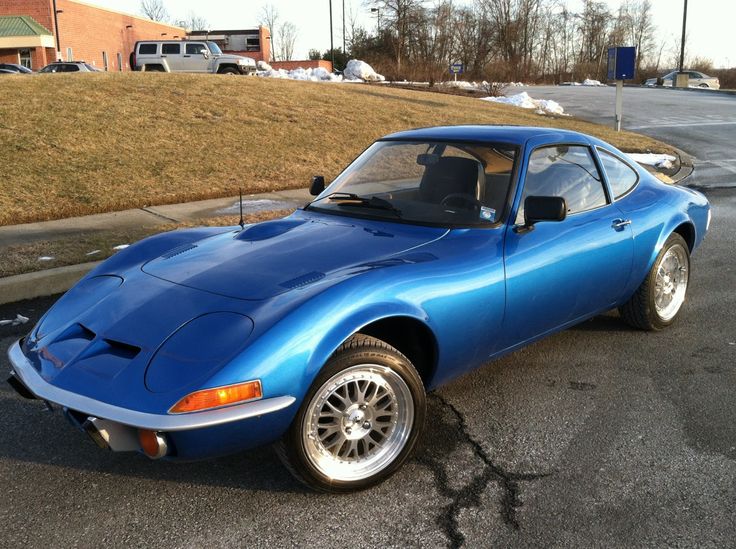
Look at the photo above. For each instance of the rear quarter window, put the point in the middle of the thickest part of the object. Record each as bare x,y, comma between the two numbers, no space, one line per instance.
621,177
147,49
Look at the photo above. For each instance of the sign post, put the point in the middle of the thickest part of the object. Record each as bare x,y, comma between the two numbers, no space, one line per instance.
456,68
620,68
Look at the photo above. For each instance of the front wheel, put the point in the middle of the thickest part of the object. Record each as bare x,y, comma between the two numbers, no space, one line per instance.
228,70
658,300
359,421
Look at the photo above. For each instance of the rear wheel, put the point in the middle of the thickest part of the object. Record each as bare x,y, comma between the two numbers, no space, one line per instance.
359,421
660,297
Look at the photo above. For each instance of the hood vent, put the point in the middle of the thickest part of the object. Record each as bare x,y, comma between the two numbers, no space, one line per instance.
178,251
303,280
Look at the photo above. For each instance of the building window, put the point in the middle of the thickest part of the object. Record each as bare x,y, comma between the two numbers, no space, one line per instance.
253,44
120,61
69,54
104,60
24,58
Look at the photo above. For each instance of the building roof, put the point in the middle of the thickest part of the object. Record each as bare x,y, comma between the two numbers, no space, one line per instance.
21,25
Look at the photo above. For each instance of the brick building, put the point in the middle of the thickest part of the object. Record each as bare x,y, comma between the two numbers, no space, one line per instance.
254,43
37,32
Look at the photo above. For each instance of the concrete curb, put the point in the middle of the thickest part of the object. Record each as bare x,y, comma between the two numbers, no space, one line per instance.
42,283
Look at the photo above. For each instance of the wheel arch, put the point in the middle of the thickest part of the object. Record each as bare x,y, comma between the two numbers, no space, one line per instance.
412,338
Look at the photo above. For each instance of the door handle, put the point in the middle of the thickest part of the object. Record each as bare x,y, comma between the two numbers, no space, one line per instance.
620,223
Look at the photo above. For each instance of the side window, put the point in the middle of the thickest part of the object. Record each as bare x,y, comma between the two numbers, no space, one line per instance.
621,177
147,49
70,68
170,49
194,49
567,171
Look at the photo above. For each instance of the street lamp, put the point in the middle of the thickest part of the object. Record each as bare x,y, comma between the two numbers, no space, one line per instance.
332,44
377,11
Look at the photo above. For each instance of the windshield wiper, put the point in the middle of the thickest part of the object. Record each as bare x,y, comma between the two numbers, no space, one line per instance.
352,199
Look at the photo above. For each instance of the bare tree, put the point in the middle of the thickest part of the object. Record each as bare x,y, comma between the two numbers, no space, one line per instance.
287,38
154,10
269,18
641,29
195,22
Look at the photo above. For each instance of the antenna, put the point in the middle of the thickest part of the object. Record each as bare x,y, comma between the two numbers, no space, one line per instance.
242,221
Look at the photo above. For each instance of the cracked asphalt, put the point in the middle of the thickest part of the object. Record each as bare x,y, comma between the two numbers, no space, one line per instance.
598,436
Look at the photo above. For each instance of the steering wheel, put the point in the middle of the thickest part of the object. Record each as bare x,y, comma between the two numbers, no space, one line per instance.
462,200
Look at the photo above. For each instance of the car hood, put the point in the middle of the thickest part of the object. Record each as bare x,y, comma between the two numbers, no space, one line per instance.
230,57
273,257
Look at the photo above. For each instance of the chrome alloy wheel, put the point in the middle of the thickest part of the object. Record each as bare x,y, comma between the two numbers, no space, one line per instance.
358,422
670,283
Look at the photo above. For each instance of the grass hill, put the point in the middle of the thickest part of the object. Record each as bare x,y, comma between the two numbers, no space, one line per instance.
80,144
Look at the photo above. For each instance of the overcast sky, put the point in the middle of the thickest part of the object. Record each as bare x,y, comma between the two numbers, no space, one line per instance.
710,22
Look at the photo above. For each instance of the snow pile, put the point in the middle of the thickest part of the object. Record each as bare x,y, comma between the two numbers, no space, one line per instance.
317,74
663,161
525,101
263,66
360,70
589,82
462,84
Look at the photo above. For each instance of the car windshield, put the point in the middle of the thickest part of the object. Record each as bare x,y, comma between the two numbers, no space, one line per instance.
214,48
437,183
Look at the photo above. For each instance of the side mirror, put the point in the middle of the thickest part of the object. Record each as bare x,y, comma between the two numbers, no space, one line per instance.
205,54
317,186
543,208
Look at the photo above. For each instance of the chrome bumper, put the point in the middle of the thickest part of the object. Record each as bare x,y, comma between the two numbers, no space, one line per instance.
27,374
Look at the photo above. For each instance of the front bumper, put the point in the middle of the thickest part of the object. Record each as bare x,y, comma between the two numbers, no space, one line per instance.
24,371
247,69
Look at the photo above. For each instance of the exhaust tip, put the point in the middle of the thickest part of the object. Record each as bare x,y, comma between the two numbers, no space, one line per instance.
153,443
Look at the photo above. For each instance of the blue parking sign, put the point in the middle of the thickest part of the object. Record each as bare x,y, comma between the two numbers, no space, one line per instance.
456,68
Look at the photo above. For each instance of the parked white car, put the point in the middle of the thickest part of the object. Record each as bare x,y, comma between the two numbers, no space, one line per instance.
696,79
187,56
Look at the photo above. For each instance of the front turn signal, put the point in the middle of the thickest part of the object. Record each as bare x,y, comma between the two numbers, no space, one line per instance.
219,396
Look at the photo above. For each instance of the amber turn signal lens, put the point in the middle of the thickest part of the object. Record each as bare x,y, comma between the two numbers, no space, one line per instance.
219,396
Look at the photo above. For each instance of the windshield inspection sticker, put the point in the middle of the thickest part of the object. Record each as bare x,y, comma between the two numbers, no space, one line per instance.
487,214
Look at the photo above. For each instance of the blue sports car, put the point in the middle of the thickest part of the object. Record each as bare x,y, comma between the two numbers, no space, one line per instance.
434,252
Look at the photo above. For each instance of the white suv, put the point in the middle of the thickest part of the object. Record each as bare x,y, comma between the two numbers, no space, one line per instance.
187,56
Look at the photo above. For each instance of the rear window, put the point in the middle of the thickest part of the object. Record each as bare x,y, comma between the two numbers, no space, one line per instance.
170,49
621,177
147,49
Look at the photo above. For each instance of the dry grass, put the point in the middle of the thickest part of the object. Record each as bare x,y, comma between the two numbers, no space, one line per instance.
81,144
24,258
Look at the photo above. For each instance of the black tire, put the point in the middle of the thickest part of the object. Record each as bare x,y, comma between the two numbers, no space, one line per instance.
359,351
641,310
228,70
154,68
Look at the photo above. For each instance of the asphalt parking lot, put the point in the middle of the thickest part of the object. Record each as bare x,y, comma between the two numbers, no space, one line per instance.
597,436
701,123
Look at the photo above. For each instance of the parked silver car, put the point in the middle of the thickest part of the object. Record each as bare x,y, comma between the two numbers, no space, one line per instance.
187,56
696,79
15,67
69,66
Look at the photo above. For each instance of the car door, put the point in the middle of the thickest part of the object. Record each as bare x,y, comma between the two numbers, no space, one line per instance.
197,57
559,272
171,54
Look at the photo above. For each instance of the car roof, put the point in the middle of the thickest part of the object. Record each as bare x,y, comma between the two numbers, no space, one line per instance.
487,133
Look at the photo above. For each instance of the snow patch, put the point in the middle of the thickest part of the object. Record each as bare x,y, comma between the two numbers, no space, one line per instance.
46,258
17,321
525,101
120,247
258,205
663,161
589,82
